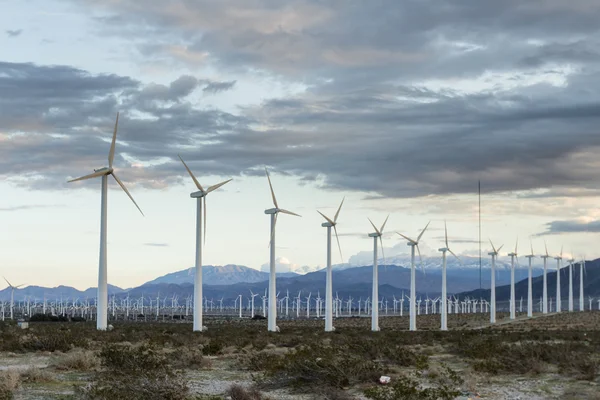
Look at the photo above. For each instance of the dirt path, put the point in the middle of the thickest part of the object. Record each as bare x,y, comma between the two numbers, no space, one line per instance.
507,321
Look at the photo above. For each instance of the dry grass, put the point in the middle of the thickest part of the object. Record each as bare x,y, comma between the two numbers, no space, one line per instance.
37,375
9,382
77,360
238,392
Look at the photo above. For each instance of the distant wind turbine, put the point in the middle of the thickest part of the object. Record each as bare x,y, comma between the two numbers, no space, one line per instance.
581,272
200,197
529,284
375,292
274,212
413,290
494,254
513,299
102,307
328,285
558,295
444,298
571,261
545,288
12,296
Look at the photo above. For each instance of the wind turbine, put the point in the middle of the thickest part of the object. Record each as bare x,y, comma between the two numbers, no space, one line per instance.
101,309
413,292
375,294
512,281
581,272
571,261
494,254
444,298
328,285
558,296
545,288
529,285
272,322
200,196
12,296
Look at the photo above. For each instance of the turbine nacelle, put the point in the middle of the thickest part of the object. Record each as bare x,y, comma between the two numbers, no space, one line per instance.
272,211
199,194
106,170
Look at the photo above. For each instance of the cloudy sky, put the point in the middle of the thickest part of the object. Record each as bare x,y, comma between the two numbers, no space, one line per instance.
401,106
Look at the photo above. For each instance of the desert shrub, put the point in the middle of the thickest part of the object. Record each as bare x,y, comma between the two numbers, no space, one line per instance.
238,392
36,375
77,360
53,340
316,365
47,318
441,387
134,373
9,381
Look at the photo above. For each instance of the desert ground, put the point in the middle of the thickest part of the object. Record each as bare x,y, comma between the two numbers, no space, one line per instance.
556,356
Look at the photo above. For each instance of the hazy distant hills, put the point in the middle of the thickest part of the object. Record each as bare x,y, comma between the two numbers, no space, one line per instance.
40,292
591,284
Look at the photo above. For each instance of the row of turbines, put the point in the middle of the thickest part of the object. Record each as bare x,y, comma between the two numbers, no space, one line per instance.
102,305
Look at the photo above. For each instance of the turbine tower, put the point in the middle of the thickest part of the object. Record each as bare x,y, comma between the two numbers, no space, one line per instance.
200,196
375,294
102,306
558,299
494,254
444,298
545,288
571,261
328,285
273,212
512,281
529,285
413,290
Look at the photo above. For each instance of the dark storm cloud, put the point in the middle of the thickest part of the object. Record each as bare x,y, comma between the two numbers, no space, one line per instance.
381,112
557,227
14,33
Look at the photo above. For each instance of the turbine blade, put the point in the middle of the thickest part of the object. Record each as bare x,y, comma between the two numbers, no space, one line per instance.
531,243
9,284
493,248
422,232
338,211
111,153
374,227
446,232
516,245
500,248
382,252
561,251
198,185
384,222
546,245
218,185
90,176
455,256
338,242
406,237
289,212
272,192
420,258
126,191
328,220
204,220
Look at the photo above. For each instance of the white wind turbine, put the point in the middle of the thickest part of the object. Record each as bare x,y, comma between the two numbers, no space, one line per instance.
545,281
101,309
558,295
329,285
375,294
272,318
513,299
529,285
200,197
571,261
413,292
581,272
494,254
444,298
12,296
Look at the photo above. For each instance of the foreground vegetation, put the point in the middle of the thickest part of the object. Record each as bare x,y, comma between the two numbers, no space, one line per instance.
168,361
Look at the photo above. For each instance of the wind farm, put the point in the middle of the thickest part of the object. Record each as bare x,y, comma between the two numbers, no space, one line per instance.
392,200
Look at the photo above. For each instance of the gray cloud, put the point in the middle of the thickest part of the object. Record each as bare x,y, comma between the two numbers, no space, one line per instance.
29,207
381,112
156,244
216,87
13,33
557,227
